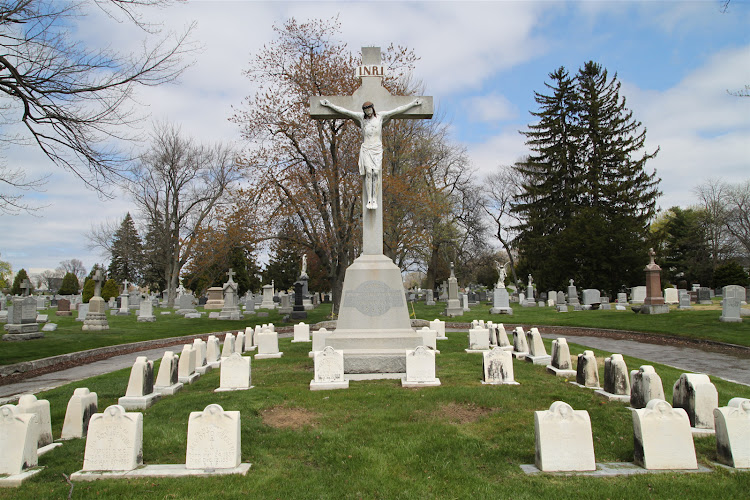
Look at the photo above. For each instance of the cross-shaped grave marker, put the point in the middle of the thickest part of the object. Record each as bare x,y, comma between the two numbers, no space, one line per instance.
341,107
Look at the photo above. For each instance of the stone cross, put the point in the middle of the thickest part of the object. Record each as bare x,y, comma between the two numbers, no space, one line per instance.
125,285
98,283
371,90
230,273
25,286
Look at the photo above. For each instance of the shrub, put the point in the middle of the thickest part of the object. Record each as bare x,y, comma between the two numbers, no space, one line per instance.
69,285
110,290
730,273
88,290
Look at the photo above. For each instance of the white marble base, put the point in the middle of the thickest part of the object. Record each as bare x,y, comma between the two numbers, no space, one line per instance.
500,383
441,338
189,379
622,398
15,480
474,351
169,390
561,373
539,360
375,376
702,432
614,469
301,341
519,355
327,386
269,356
138,402
230,389
214,365
46,449
585,387
166,470
202,370
253,348
415,385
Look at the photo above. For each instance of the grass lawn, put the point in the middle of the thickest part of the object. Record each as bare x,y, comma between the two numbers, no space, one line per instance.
378,440
702,322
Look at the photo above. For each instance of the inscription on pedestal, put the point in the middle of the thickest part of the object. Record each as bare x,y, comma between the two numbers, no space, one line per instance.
373,298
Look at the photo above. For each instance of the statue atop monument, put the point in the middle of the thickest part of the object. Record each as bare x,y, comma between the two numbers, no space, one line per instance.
371,151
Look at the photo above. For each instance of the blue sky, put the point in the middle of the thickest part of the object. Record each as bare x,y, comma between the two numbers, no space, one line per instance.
482,61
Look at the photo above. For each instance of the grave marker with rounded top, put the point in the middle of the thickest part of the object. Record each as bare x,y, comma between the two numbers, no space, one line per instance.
83,404
732,424
662,437
563,439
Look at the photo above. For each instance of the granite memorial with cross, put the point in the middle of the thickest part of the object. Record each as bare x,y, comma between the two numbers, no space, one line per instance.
373,328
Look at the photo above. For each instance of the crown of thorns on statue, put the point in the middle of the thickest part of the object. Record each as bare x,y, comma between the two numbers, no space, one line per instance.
370,105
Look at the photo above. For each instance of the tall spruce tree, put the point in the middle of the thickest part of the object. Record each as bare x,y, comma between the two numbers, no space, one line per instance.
587,199
551,180
127,253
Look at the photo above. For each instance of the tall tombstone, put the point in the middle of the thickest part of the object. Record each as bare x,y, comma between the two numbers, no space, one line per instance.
429,299
439,327
537,352
298,308
497,367
231,308
167,380
732,303
146,312
201,356
587,371
213,351
572,294
213,439
453,306
228,348
329,370
22,323
28,403
732,424
684,300
96,317
501,302
695,393
235,373
83,404
186,365
268,302
561,364
520,346
114,441
662,437
645,385
563,439
654,301
18,440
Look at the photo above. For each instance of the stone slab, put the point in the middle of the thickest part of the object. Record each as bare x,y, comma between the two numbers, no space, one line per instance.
138,402
614,469
170,390
327,386
539,360
418,384
560,372
622,398
15,480
161,470
190,378
269,356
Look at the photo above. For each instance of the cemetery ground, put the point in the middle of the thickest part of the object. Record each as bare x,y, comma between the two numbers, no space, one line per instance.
700,323
379,440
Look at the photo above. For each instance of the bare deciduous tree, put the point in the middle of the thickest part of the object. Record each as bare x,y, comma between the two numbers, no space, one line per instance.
501,188
176,185
74,266
71,100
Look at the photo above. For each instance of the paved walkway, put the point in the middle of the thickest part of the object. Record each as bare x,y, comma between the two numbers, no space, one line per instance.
726,366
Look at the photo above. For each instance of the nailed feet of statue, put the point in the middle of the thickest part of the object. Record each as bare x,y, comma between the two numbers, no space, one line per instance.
372,205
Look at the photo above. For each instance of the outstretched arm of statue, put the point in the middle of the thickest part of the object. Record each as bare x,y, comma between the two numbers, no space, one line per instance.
358,116
406,107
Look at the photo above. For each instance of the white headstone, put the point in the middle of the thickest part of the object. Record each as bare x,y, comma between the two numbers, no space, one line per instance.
563,439
186,365
616,376
213,351
479,339
114,441
420,368
319,340
645,385
146,312
228,348
502,337
18,440
329,370
268,345
301,332
201,353
695,393
662,436
235,373
81,407
28,403
214,439
732,303
439,327
671,296
520,347
140,392
167,380
638,294
429,338
239,342
537,352
560,362
732,424
497,367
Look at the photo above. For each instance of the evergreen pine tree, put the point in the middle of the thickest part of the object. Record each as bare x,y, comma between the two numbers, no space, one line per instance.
127,253
155,255
69,285
283,267
18,280
587,200
551,179
619,196
110,289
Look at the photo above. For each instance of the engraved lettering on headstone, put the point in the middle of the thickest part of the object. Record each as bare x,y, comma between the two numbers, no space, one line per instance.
373,298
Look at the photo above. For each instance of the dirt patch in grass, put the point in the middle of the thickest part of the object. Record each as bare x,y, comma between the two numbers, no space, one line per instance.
462,413
282,417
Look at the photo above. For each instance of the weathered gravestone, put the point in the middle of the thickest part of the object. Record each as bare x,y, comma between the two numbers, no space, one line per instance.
329,370
231,307
18,440
167,380
114,441
22,323
561,364
695,393
63,308
732,424
662,437
235,373
587,371
186,365
83,404
215,298
616,379
28,403
213,439
146,312
520,346
420,368
537,352
140,392
645,385
497,367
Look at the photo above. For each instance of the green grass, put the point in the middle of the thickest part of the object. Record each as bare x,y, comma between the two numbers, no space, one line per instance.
69,337
379,440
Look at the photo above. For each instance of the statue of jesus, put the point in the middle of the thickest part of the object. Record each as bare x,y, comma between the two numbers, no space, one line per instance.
371,152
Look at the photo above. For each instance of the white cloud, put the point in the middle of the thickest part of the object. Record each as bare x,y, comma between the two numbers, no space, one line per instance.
502,149
490,108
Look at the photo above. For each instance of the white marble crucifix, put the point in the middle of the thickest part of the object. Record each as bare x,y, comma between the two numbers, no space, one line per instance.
98,283
377,107
231,274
